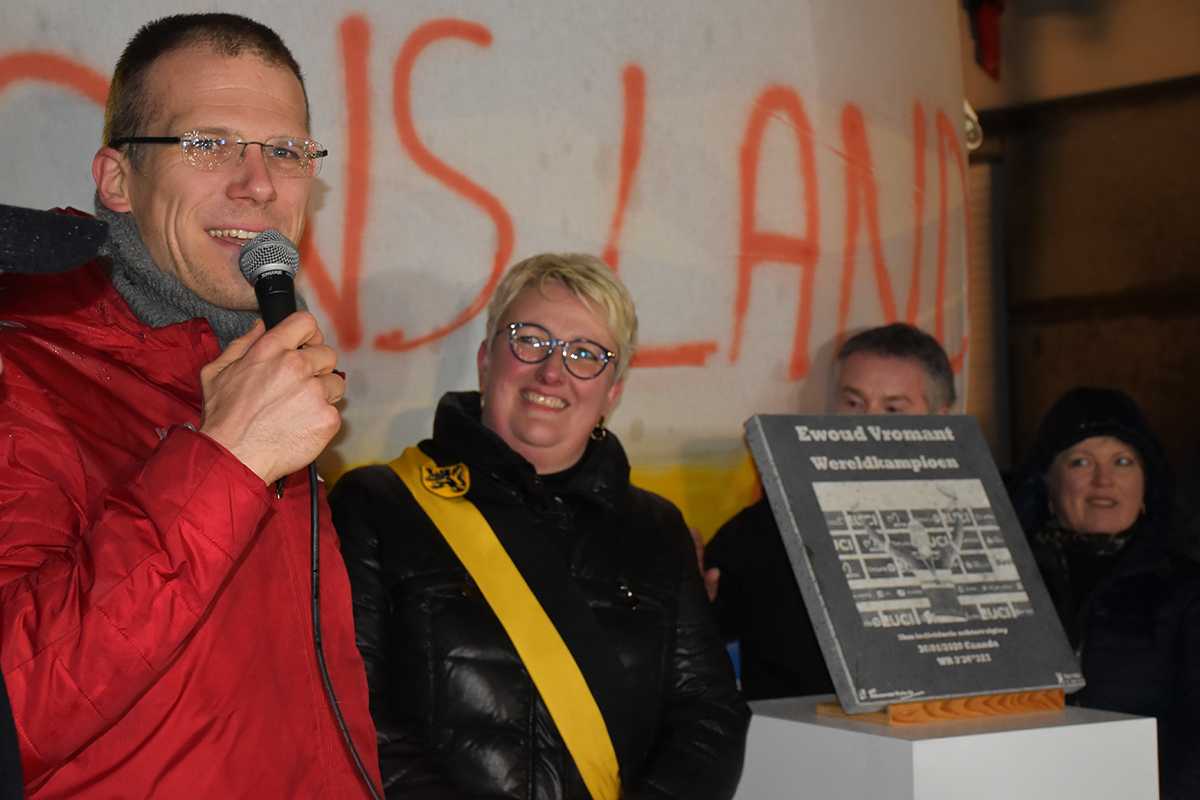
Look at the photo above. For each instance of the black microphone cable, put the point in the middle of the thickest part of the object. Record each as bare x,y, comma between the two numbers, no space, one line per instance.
317,642
268,262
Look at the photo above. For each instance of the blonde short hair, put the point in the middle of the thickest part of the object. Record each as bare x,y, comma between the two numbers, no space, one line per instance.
589,279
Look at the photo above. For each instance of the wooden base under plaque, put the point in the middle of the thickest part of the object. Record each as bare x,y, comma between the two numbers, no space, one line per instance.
952,708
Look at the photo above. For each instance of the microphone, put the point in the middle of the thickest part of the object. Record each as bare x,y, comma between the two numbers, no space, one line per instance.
269,262
45,242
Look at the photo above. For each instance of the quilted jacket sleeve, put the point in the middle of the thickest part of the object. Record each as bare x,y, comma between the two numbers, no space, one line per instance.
701,743
96,601
364,504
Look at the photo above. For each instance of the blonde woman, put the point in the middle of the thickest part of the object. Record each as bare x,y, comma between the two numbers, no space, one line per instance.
533,625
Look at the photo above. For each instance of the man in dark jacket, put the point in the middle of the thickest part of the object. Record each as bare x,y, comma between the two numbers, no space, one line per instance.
893,369
154,584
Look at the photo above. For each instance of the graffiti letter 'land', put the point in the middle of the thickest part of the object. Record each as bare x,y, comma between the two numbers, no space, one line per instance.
756,246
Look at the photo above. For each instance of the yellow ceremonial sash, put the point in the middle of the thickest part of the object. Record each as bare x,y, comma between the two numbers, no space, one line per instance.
440,491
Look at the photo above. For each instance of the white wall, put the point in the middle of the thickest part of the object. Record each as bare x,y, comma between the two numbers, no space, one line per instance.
530,107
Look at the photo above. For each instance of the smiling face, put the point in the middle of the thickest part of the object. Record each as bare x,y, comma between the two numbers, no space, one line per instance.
540,410
1097,486
873,384
192,221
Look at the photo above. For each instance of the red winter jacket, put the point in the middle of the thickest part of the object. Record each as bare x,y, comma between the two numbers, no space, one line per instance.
155,626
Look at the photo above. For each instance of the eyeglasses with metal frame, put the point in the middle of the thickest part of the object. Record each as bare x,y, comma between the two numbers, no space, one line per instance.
209,150
582,358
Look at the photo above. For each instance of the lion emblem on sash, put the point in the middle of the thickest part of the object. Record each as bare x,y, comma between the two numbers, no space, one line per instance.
451,481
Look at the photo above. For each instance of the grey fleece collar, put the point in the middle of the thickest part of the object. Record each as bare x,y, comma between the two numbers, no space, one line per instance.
156,297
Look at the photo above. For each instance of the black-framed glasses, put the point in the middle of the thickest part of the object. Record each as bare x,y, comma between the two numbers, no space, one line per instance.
210,150
533,344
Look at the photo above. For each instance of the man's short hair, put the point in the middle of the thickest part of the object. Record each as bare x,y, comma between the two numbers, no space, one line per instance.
129,109
589,279
900,340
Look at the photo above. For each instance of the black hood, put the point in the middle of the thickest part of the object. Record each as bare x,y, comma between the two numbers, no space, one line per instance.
1079,414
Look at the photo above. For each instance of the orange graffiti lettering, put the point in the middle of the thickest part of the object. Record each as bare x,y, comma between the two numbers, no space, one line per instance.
631,154
756,246
914,289
421,38
862,198
355,41
686,354
34,65
862,190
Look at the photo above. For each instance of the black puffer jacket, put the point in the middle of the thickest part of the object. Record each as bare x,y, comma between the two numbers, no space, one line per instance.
456,712
1134,618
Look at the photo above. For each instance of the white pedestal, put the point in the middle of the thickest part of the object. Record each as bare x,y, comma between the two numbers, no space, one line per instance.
1078,754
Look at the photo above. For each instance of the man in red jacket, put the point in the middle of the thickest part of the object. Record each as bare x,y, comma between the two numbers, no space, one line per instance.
155,634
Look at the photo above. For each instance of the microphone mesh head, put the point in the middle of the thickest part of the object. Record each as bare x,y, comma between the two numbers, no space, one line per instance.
270,251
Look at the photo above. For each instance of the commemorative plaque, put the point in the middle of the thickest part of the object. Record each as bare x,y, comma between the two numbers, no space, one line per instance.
914,570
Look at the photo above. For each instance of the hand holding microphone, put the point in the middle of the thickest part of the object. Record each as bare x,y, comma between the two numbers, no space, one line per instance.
268,398
296,368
